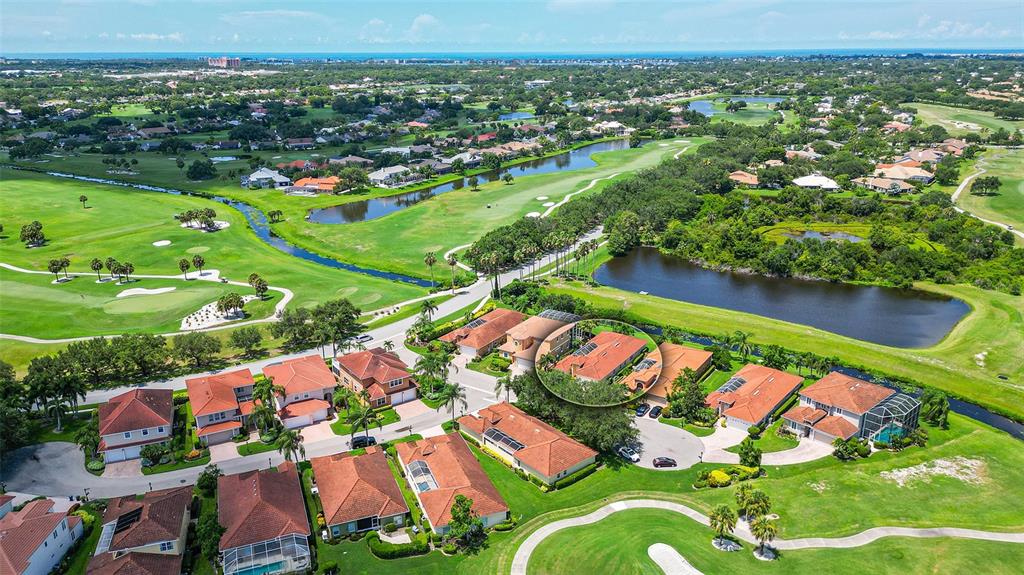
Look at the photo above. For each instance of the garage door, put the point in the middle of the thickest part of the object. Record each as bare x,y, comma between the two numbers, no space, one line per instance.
403,396
114,455
293,422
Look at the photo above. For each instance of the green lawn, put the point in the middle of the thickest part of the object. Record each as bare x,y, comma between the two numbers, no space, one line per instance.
618,544
86,547
949,116
694,429
341,427
1007,206
770,440
83,307
485,365
254,447
995,326
755,114
43,429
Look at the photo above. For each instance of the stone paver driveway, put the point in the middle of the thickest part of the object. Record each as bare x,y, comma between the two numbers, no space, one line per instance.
411,409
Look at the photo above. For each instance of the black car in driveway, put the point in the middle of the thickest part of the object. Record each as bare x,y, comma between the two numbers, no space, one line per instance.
655,412
363,441
664,462
641,410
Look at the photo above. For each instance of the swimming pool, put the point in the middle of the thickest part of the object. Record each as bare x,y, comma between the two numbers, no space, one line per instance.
261,569
889,433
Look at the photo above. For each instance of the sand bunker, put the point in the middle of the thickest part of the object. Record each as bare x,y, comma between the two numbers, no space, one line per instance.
670,561
162,243
965,469
145,291
541,198
533,215
220,225
548,204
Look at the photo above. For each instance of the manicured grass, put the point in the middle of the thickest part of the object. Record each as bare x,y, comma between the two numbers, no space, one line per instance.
123,223
755,114
1007,206
385,416
485,365
176,465
44,429
618,544
780,232
947,116
79,561
995,326
694,429
770,440
254,447
86,308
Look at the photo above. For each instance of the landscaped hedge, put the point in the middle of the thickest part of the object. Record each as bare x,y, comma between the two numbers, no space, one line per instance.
581,474
385,550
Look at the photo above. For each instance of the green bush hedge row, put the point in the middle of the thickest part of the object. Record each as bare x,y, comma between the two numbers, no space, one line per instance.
385,550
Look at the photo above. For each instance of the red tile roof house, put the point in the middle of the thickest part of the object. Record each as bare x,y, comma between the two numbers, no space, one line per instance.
674,359
523,339
358,492
144,535
221,404
308,390
264,518
840,406
381,373
526,442
478,337
752,395
34,539
439,468
606,354
134,419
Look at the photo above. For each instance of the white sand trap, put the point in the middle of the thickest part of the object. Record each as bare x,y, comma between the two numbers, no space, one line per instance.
162,243
663,145
541,198
145,291
220,225
965,469
208,316
670,561
533,215
548,204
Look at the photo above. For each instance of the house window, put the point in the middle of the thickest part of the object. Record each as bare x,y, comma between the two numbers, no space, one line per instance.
167,546
145,432
305,396
127,435
160,429
394,383
379,401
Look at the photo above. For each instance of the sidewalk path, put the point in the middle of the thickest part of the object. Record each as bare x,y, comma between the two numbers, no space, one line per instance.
522,556
963,186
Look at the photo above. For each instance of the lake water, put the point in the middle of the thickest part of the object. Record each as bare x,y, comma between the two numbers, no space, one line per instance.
516,116
363,210
825,236
707,108
888,316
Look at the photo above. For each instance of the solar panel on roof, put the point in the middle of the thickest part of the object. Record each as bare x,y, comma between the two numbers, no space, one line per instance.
502,439
645,364
732,385
585,349
127,520
559,315
476,323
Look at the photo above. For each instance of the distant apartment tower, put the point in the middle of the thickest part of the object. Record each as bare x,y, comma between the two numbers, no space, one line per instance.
223,62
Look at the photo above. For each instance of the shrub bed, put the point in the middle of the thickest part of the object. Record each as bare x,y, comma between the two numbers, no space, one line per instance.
581,474
385,550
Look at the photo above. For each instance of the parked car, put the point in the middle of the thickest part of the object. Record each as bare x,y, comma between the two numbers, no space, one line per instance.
641,410
629,454
664,462
655,412
364,338
363,441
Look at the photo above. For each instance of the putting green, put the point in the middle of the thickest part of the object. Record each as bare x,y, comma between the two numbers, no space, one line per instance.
198,250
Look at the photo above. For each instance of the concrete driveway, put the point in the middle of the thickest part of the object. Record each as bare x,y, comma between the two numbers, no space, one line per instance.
224,451
129,468
318,432
808,450
661,440
411,409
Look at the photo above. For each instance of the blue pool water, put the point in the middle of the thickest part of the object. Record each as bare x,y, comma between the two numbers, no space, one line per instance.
889,434
262,569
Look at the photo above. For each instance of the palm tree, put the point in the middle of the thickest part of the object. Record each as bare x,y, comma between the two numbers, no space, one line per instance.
742,496
452,394
764,530
88,437
263,416
343,397
183,265
430,259
452,262
83,199
723,521
54,268
363,417
519,256
199,261
265,390
502,385
110,264
289,444
741,341
758,504
428,307
389,345
96,265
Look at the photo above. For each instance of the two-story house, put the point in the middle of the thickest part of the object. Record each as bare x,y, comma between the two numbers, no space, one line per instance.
523,339
221,404
752,395
308,388
841,406
478,337
143,534
381,373
34,539
264,518
133,420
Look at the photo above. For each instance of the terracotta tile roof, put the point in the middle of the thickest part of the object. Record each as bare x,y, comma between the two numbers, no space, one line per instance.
764,389
135,563
374,365
846,393
837,426
355,487
4,499
162,514
495,324
532,331
303,374
258,506
136,409
611,351
304,407
216,393
745,178
218,427
674,359
546,450
22,532
457,472
804,415
321,184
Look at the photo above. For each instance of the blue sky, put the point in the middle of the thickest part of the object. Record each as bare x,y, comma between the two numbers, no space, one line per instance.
606,26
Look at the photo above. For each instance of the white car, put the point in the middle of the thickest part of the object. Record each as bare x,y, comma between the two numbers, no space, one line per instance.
629,454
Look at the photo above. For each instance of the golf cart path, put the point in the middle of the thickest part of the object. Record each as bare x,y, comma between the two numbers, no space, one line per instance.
963,186
670,561
522,556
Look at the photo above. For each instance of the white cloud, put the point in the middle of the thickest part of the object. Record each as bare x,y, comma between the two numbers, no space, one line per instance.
376,31
250,16
421,27
154,37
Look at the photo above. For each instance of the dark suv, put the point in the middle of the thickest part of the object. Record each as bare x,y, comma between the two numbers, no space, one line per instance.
363,441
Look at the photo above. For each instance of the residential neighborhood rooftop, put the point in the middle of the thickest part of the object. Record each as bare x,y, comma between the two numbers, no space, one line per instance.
354,487
601,356
136,409
257,506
